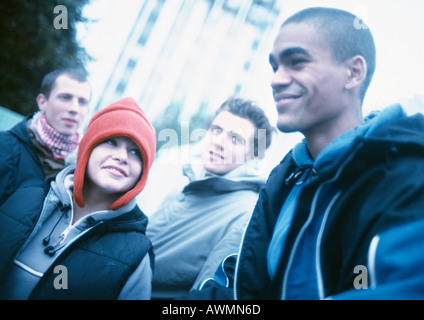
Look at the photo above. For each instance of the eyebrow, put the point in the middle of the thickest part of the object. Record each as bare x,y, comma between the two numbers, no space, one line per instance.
286,53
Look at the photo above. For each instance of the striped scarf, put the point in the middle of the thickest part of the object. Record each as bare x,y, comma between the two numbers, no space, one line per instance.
59,144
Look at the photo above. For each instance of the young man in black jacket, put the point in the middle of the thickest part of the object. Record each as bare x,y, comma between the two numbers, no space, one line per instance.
341,216
42,144
50,136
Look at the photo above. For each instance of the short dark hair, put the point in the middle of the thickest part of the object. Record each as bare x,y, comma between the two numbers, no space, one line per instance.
346,33
50,78
249,110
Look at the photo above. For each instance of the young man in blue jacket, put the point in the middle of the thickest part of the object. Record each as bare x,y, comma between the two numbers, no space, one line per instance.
341,216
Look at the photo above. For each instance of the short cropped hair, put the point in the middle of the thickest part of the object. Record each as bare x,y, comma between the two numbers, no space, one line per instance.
249,110
49,79
346,34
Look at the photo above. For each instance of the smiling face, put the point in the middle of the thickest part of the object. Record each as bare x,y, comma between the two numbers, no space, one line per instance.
114,167
308,84
67,105
228,143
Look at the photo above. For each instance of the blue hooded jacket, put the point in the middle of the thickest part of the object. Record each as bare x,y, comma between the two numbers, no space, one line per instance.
365,186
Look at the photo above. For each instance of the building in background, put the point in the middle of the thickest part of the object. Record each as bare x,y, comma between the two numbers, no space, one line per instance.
183,58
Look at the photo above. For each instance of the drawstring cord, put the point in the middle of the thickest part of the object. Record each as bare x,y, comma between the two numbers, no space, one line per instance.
50,250
305,172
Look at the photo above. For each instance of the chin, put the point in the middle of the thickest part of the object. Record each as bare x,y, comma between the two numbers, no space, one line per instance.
67,132
286,127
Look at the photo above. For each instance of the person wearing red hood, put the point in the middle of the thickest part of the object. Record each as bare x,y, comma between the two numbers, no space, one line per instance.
89,240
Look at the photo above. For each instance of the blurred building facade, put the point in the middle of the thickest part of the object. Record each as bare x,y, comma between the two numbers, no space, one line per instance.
188,56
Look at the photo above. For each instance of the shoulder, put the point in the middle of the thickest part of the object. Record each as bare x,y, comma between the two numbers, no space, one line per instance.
12,145
13,135
12,141
403,128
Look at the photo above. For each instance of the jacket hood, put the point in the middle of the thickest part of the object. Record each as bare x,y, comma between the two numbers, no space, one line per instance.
122,118
374,128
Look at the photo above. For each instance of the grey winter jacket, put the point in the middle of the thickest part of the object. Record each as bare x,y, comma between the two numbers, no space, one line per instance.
196,228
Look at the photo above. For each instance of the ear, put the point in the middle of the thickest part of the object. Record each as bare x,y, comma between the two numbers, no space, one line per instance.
357,71
41,101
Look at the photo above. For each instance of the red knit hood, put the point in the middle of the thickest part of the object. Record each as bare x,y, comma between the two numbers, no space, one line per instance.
122,118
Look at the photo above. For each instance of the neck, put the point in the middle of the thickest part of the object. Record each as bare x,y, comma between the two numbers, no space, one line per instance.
318,138
92,204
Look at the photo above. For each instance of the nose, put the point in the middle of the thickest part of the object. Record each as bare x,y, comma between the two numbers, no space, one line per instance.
281,78
120,154
74,105
218,141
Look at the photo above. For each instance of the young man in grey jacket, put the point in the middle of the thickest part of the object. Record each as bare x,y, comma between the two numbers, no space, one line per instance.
196,227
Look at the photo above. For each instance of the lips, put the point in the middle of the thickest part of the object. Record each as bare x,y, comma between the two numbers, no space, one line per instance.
115,170
217,156
283,99
286,96
70,122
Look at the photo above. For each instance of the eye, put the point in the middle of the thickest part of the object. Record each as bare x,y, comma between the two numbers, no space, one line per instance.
111,141
237,140
83,102
65,97
135,152
297,62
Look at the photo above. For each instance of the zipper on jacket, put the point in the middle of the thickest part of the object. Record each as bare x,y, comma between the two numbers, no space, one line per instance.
51,250
322,227
65,233
318,247
68,244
